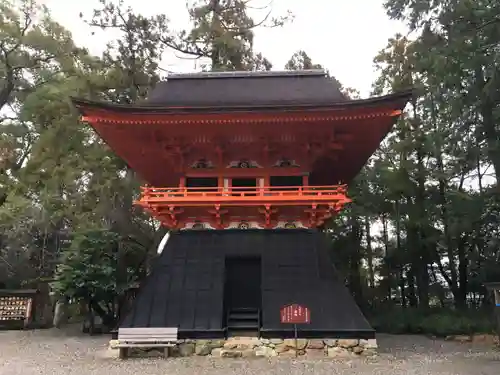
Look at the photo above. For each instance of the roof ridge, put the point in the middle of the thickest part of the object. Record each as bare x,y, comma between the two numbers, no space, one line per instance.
245,74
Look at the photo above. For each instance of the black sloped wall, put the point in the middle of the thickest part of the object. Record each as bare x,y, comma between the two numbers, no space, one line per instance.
186,286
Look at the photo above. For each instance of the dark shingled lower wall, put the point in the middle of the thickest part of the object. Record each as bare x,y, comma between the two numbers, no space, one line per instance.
186,286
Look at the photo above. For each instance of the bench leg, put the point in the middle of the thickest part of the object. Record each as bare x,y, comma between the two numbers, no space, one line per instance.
123,353
166,352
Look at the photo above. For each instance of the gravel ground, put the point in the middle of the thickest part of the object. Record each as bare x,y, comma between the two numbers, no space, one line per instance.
67,352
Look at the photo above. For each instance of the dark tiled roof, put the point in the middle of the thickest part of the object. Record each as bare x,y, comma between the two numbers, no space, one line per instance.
398,100
246,88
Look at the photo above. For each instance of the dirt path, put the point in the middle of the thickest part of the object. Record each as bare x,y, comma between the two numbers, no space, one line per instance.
57,352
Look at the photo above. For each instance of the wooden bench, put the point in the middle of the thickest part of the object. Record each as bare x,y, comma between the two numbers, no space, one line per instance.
159,337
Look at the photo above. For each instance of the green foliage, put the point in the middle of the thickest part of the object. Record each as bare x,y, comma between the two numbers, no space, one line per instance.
437,322
223,33
56,174
300,60
89,269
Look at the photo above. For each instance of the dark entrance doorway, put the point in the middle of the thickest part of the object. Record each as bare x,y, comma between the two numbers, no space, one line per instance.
202,183
244,185
242,295
285,182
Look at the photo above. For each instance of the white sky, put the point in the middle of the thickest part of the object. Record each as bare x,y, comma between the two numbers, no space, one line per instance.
342,35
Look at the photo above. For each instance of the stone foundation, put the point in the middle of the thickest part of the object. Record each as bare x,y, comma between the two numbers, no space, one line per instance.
245,347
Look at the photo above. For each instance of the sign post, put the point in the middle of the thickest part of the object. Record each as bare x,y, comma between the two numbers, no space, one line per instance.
495,289
295,314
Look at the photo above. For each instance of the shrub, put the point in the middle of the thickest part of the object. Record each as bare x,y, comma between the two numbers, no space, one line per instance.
437,322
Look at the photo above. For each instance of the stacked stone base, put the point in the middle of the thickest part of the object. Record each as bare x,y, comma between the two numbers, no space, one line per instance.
245,347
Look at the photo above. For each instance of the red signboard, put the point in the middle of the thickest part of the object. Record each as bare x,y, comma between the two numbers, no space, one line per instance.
295,314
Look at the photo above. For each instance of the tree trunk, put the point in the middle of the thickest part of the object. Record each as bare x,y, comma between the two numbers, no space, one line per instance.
399,254
412,295
385,237
369,253
461,296
452,267
423,255
355,262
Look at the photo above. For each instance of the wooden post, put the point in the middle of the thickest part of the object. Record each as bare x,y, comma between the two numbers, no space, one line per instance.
495,289
267,184
497,309
166,352
123,353
267,180
305,180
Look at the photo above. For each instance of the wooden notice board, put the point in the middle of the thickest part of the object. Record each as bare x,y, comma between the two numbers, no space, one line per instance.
16,308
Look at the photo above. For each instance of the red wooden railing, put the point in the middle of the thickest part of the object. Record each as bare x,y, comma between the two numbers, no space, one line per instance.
300,193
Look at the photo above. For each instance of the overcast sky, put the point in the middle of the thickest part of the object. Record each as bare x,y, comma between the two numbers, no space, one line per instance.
342,35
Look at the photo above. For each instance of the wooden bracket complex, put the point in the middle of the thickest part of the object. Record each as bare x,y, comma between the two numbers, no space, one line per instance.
309,205
217,214
267,211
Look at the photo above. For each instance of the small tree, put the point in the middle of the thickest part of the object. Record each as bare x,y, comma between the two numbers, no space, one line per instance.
89,271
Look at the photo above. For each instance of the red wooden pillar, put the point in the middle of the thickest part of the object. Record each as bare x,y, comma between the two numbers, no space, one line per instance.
267,182
305,180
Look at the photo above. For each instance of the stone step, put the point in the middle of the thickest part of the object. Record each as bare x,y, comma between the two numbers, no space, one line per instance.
242,325
244,316
244,309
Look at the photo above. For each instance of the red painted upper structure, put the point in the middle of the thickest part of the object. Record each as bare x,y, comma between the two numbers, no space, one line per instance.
205,125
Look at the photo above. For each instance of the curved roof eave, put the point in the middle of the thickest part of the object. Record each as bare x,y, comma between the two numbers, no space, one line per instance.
399,98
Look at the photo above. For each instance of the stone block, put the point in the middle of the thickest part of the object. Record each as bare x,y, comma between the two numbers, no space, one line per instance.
229,345
186,349
276,341
292,353
248,347
330,342
281,348
248,353
368,344
315,344
459,338
216,352
265,351
338,352
113,344
217,343
242,343
369,353
230,353
203,348
358,349
485,339
347,343
298,344
315,353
